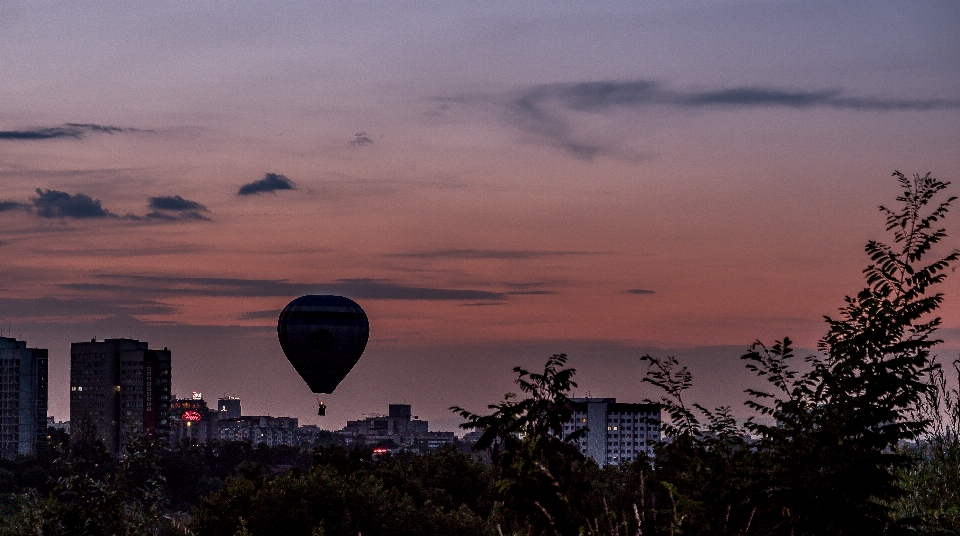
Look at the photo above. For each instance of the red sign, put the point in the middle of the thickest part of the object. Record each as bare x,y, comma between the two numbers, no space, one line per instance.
191,415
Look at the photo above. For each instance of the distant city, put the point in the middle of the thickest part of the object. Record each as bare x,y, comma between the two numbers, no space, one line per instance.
120,390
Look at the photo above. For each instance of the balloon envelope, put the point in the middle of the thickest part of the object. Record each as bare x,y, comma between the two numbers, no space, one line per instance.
323,337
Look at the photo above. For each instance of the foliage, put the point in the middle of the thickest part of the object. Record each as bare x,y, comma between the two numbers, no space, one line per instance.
839,425
539,469
432,494
128,500
705,473
931,498
831,461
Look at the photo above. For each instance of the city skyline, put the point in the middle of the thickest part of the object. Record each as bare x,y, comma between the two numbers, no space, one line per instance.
491,185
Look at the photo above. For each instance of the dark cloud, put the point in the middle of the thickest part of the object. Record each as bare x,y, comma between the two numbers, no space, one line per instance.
49,307
13,205
503,254
176,208
602,96
542,109
637,291
175,203
68,130
57,204
271,182
361,139
370,289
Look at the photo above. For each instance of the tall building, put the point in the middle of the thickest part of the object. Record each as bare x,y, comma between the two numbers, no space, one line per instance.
119,390
616,432
23,398
228,408
191,419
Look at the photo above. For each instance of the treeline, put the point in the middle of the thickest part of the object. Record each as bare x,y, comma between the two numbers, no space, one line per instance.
860,438
80,488
234,488
694,486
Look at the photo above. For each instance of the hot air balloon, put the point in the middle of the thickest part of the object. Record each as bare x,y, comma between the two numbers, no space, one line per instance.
323,337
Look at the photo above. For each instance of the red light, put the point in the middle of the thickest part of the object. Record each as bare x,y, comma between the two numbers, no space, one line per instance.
191,415
379,450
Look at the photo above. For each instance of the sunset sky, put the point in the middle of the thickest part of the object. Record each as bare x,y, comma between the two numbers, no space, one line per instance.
491,184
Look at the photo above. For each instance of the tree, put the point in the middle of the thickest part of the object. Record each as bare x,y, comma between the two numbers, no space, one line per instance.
835,445
539,468
705,473
127,499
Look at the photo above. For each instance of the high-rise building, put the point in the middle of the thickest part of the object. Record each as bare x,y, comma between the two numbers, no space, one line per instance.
23,398
228,408
191,419
616,432
119,390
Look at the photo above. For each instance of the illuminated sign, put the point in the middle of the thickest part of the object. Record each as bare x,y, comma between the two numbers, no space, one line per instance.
191,415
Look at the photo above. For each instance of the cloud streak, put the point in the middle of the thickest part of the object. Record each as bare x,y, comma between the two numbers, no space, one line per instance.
68,130
544,110
6,206
49,307
271,182
360,288
260,315
605,95
638,291
495,254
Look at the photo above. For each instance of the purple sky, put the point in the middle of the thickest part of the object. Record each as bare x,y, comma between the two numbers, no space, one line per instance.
492,185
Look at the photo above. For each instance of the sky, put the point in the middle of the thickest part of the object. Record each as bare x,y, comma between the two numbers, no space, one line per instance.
493,183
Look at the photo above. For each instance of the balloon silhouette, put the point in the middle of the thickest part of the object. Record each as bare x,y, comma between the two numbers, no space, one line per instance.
323,337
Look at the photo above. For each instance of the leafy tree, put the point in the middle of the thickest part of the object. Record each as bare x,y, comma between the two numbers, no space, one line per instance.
839,426
705,474
539,469
831,461
87,501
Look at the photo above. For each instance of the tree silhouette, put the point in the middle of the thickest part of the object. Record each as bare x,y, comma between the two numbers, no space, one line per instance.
539,469
835,443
